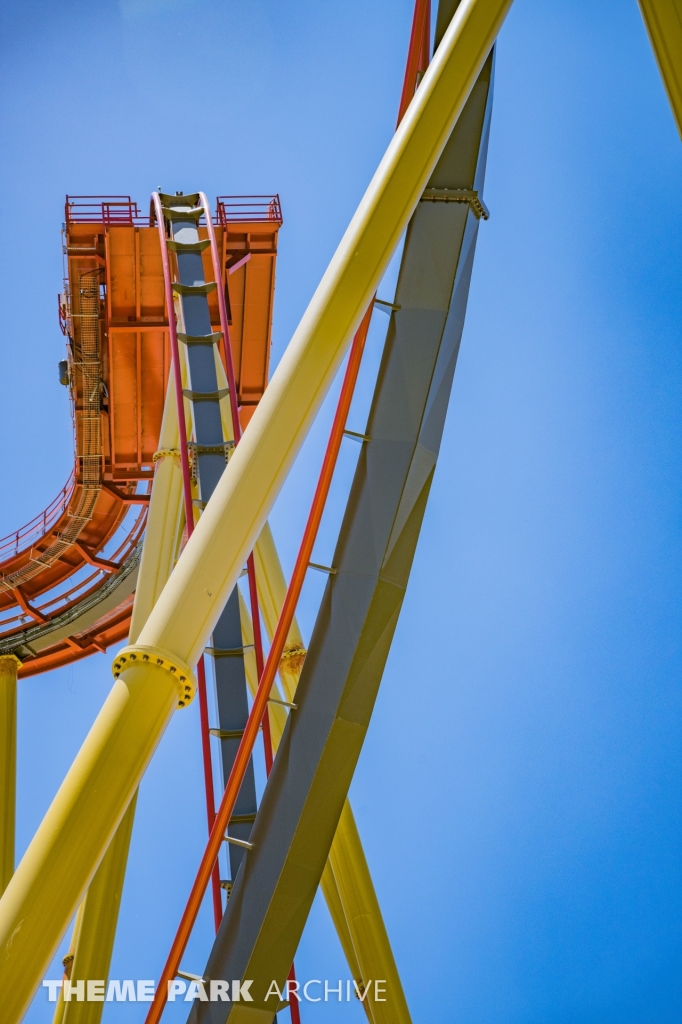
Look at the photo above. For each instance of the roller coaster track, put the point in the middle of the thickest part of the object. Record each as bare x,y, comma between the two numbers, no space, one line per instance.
137,288
68,577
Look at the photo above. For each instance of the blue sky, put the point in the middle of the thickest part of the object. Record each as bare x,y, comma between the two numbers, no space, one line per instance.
519,791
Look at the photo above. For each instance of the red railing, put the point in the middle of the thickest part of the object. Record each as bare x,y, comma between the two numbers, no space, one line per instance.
122,210
27,535
248,210
110,210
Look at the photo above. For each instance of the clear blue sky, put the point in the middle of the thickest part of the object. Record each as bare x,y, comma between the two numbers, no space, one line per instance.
519,792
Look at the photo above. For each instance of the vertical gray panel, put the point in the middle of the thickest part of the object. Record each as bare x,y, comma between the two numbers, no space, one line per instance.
230,676
314,766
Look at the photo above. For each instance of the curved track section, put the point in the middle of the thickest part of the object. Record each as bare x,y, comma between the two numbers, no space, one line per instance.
68,577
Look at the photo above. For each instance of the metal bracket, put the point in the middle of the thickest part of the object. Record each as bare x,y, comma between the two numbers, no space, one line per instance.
193,289
195,450
172,214
200,339
458,195
229,734
386,307
323,568
228,652
190,977
238,842
236,264
181,247
205,396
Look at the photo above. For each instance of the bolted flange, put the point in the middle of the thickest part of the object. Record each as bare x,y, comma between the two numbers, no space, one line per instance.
146,654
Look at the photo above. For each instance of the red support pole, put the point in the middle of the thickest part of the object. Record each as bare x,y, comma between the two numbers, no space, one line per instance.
417,51
294,1005
208,786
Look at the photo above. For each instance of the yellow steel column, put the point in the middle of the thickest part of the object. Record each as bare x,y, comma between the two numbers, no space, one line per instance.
9,664
272,588
349,871
346,881
95,925
155,677
663,20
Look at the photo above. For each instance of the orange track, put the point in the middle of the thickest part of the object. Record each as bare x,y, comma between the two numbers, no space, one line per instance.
54,573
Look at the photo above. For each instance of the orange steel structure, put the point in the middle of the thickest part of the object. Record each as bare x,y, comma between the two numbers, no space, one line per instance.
67,578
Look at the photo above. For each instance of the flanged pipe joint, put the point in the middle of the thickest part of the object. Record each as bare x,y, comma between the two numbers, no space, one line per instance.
154,657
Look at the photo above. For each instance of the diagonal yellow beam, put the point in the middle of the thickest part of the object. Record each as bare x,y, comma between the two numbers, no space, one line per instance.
157,677
346,881
663,20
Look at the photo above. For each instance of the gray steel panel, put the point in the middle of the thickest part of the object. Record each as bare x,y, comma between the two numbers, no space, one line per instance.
316,759
229,673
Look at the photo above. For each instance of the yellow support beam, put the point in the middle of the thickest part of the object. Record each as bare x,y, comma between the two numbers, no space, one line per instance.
94,929
156,677
95,926
346,881
663,20
8,765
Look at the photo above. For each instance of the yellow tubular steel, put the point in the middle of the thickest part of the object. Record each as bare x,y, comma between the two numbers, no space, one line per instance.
68,846
8,765
68,960
346,881
165,521
348,867
272,588
95,925
663,20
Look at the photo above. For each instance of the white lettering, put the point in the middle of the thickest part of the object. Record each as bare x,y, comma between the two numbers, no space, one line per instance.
121,992
273,984
196,990
52,987
311,999
362,991
218,990
377,997
240,990
96,991
77,989
291,989
176,988
327,990
347,991
145,991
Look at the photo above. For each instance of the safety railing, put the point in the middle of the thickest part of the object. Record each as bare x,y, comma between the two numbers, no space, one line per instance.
109,210
28,535
68,593
248,210
122,211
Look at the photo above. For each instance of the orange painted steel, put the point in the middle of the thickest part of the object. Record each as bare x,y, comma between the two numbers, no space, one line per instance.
113,300
417,54
261,698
